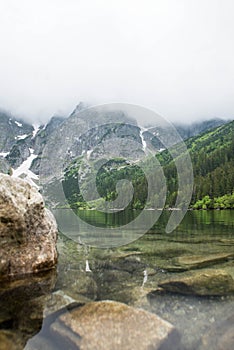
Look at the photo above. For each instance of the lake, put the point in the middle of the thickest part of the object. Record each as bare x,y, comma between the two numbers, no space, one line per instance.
130,274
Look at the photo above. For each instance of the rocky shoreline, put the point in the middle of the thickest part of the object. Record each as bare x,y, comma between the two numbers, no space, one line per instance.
142,296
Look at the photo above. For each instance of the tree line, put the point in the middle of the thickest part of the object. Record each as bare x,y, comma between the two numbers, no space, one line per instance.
213,166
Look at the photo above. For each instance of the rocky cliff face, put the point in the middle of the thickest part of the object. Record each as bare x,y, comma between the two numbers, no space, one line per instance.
151,134
12,130
15,142
44,132
88,133
22,148
19,152
4,166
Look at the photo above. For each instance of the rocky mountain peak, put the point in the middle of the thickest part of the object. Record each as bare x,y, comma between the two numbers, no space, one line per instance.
12,130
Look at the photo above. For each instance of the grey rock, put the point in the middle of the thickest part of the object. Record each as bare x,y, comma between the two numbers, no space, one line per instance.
44,133
19,152
83,132
4,166
11,130
88,136
28,231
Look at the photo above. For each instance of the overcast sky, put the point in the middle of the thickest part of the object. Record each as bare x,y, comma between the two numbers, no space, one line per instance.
173,56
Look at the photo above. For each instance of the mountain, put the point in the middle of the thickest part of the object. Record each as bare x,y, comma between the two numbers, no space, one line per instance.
22,144
89,134
4,166
212,155
41,139
185,131
18,137
189,130
11,131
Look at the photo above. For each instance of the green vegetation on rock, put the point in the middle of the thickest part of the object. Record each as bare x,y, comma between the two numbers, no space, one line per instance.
213,165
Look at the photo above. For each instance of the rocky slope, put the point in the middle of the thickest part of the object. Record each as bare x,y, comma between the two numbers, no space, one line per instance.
11,131
212,157
87,132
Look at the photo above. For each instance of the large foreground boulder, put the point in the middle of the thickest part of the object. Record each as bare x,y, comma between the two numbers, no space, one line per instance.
109,325
28,230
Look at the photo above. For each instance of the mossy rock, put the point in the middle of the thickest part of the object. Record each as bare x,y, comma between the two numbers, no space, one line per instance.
207,282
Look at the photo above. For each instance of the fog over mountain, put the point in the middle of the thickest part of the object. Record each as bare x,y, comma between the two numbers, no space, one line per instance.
175,57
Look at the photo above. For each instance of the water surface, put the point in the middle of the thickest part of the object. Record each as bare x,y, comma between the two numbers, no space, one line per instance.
118,274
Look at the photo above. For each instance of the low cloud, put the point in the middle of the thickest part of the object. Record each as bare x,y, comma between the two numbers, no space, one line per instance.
175,57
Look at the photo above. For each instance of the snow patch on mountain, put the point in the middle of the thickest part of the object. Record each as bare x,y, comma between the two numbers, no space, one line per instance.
89,152
4,154
18,124
24,170
144,145
36,129
21,137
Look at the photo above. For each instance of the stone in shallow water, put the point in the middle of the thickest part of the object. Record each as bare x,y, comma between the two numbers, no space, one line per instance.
199,261
59,300
28,231
7,342
220,336
76,282
112,325
204,282
22,303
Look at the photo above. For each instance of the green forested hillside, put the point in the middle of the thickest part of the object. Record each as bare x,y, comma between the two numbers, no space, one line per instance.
212,155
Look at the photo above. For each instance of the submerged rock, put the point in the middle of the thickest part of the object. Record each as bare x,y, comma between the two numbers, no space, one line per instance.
6,341
190,262
205,282
22,302
28,230
59,300
112,325
220,336
77,283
